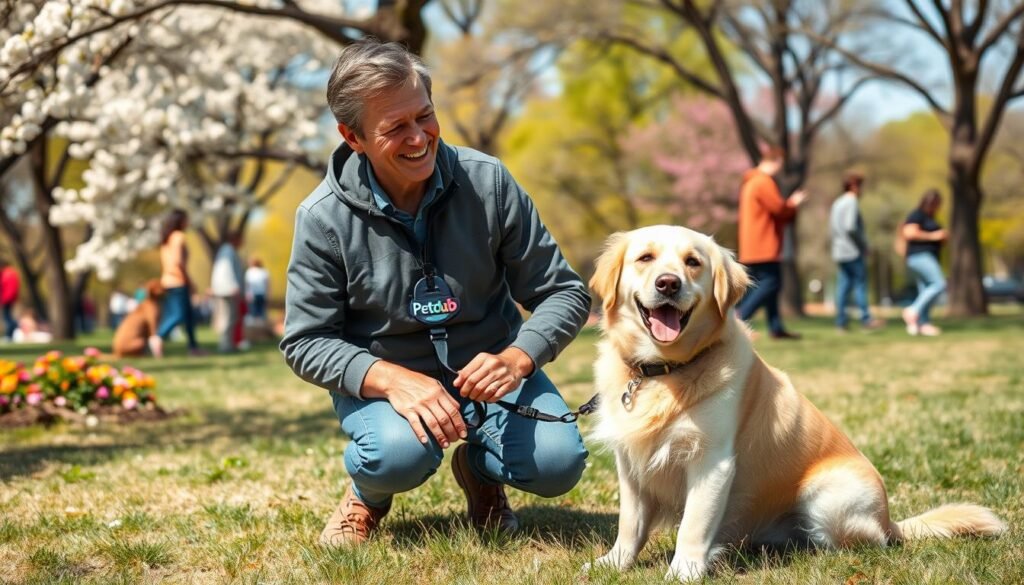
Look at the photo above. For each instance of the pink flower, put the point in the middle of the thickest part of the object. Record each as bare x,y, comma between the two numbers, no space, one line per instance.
34,398
103,393
92,352
24,376
129,403
60,401
39,370
17,399
4,401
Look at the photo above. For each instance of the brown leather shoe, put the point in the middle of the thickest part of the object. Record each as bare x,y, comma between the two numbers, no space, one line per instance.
352,523
488,506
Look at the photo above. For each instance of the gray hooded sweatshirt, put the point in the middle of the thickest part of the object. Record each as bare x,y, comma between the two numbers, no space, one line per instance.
353,268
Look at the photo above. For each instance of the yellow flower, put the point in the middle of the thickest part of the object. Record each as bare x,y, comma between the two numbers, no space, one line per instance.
71,365
7,367
9,384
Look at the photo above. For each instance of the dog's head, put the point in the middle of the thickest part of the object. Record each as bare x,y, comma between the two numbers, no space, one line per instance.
666,290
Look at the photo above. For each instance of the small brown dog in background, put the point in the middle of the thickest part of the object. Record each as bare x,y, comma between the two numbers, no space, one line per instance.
138,329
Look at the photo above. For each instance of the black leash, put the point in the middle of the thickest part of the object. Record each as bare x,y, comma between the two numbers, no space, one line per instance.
439,337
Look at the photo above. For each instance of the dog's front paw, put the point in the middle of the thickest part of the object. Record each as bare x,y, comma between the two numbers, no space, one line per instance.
612,560
686,571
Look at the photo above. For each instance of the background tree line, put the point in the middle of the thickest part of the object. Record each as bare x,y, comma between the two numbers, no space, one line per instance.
613,114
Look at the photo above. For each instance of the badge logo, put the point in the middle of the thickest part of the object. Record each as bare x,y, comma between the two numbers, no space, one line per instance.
432,301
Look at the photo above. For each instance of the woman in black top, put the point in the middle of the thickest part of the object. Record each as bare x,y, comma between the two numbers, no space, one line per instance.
924,238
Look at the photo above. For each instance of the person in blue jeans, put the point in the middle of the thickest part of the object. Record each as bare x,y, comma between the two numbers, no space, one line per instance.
849,250
174,278
407,266
924,238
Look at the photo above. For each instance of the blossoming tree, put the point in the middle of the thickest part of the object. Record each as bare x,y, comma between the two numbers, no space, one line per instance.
180,107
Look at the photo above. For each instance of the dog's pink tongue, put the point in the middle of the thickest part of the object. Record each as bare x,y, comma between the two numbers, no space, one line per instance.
665,323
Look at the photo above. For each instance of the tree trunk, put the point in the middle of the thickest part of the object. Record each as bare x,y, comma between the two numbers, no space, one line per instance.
61,309
30,279
791,298
966,294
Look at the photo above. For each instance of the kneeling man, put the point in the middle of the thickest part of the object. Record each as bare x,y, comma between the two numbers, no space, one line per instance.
406,268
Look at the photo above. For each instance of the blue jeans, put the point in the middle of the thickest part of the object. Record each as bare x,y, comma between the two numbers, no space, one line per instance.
177,310
930,283
767,277
384,457
258,310
853,274
9,323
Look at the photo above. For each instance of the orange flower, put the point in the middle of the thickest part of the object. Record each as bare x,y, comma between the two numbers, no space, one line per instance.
8,384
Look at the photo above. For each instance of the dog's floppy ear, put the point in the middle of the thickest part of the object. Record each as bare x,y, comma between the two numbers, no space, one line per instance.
605,281
154,289
731,280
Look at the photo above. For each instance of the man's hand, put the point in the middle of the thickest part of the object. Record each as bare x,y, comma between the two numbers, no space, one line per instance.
488,377
421,399
797,198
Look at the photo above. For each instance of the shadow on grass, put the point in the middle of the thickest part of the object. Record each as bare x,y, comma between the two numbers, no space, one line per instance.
238,425
550,525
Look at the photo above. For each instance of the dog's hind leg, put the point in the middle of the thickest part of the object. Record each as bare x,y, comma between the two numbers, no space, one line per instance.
636,515
845,506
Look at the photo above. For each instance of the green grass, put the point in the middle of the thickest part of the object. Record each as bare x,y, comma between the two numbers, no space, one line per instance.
236,490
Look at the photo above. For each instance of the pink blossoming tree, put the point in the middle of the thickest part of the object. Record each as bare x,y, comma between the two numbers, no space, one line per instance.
694,149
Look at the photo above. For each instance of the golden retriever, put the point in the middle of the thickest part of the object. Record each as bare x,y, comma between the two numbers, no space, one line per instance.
714,439
138,329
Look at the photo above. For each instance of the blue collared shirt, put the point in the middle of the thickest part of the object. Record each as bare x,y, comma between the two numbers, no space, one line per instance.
417,224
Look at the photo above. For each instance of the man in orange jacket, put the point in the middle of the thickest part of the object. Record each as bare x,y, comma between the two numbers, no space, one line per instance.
763,216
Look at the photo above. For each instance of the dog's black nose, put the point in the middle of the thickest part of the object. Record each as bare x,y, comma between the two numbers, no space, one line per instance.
668,284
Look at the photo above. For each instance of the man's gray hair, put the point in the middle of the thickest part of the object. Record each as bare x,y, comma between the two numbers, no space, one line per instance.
367,68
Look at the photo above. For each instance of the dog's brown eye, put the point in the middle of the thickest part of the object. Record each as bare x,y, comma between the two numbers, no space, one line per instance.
693,262
645,258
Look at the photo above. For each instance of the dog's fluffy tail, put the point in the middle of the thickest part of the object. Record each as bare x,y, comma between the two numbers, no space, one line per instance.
949,521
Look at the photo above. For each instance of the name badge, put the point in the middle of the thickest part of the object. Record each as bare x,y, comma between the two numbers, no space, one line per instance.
432,301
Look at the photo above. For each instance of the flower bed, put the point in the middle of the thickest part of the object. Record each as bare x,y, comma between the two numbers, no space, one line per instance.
77,388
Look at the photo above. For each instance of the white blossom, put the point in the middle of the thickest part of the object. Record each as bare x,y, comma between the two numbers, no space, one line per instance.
159,124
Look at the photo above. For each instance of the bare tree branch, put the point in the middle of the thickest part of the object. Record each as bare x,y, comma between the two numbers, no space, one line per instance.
999,28
1005,94
666,58
922,21
883,71
836,107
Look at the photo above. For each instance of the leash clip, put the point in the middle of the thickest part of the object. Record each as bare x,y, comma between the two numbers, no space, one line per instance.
627,396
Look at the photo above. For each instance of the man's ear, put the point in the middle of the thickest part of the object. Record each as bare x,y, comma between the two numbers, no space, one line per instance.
351,137
605,281
730,280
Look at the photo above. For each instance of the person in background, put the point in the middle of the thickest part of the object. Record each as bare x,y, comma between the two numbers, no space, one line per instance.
763,215
119,306
407,235
227,282
257,287
31,329
849,250
174,278
924,238
10,285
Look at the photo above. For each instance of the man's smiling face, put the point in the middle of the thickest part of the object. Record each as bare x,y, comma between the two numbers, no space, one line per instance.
400,137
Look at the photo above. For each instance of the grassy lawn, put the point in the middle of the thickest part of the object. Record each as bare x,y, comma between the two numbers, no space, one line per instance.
237,489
